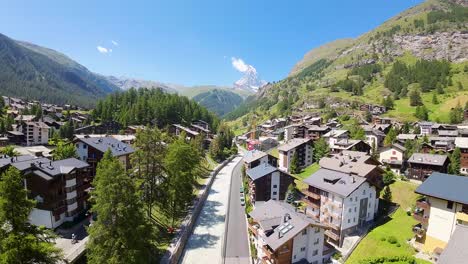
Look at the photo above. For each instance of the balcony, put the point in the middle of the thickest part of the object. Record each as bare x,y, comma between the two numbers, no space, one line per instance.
332,235
310,203
462,216
423,204
420,217
253,228
312,195
270,254
267,260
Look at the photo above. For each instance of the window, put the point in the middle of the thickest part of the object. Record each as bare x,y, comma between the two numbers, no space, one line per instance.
393,152
350,210
85,146
449,204
364,192
355,199
355,209
275,186
354,220
317,240
315,252
317,229
349,221
351,199
303,249
368,215
274,193
370,195
369,205
315,262
304,232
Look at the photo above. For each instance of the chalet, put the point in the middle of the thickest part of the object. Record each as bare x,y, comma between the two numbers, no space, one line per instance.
268,183
462,144
313,121
421,165
255,158
443,210
201,123
381,120
463,132
350,144
111,127
335,135
60,188
426,148
295,131
281,234
374,136
393,157
177,129
132,130
315,132
425,127
302,147
402,138
92,149
344,194
447,133
268,143
443,144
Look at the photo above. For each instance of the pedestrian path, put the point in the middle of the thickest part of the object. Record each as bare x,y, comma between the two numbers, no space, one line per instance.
205,244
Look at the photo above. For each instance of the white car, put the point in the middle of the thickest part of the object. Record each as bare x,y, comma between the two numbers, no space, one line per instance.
242,201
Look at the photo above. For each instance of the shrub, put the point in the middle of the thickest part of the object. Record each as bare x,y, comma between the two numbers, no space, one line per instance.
383,239
398,244
387,260
392,240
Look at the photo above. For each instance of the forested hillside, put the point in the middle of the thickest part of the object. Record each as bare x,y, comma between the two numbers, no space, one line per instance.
219,102
32,72
151,106
416,61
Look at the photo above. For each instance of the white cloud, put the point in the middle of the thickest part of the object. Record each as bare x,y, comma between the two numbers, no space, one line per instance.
103,50
115,42
239,64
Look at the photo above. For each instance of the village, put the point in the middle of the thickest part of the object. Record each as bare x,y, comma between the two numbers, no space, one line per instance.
338,185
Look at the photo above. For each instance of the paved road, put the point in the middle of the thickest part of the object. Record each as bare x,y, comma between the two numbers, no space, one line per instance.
237,248
205,243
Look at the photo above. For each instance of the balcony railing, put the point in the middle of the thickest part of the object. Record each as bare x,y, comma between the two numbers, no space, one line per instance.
310,203
268,252
312,195
332,235
420,217
423,204
253,228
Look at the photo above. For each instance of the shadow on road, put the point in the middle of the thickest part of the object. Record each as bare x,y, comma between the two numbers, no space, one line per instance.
202,241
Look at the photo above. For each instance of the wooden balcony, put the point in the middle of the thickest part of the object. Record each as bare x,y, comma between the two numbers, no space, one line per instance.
332,235
420,217
423,204
419,230
312,195
253,229
270,254
311,204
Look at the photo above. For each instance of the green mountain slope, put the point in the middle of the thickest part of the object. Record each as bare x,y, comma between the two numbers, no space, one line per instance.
218,101
192,91
430,40
33,72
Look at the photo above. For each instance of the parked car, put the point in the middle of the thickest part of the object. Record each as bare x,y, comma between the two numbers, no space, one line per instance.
242,200
241,189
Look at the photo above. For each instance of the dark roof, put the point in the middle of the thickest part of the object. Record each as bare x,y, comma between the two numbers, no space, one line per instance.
445,186
456,249
428,159
254,155
334,181
102,144
260,171
5,160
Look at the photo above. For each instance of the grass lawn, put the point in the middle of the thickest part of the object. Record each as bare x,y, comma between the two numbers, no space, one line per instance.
304,174
398,226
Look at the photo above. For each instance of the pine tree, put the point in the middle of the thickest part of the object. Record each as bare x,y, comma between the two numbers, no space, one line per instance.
294,166
455,161
121,233
390,137
321,149
387,194
415,98
434,99
21,242
148,160
183,168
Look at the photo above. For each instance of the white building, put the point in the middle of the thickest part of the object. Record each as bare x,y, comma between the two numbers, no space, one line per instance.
393,157
301,146
283,235
335,135
441,211
35,133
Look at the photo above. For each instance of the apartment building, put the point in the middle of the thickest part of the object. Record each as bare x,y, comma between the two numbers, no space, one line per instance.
300,146
344,194
283,235
268,183
92,149
422,165
443,209
34,133
60,188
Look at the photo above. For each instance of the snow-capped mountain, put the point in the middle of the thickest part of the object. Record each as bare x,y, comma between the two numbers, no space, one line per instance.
250,81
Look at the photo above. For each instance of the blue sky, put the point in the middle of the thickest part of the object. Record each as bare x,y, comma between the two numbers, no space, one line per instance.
191,42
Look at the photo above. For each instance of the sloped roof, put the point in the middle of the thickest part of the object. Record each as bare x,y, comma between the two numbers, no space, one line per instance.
272,214
254,155
334,181
445,186
102,144
428,159
456,250
260,171
293,143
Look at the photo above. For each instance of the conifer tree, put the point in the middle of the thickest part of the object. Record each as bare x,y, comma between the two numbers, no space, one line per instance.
121,233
